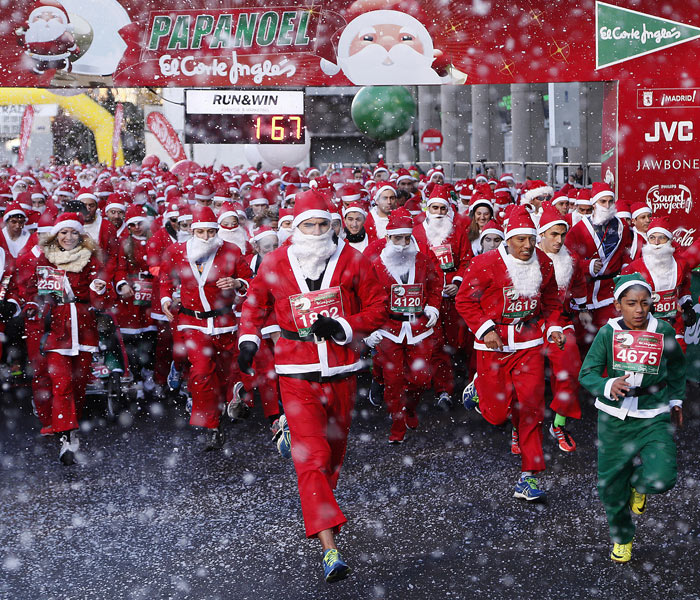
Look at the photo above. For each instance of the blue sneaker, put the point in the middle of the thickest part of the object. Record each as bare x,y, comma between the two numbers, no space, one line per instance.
470,398
283,439
174,378
334,567
528,489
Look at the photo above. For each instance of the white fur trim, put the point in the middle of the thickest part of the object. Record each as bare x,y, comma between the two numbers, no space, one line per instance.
658,229
629,284
520,231
545,227
77,225
600,195
437,200
315,213
538,191
204,225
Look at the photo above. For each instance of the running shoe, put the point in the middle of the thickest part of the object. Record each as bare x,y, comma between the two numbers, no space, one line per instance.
214,439
528,489
638,502
174,378
621,553
514,442
236,407
470,399
444,401
69,446
563,437
334,567
376,394
283,438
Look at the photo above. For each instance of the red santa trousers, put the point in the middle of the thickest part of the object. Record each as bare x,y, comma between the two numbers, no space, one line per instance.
41,382
406,370
69,378
319,416
213,372
450,337
514,383
565,364
265,379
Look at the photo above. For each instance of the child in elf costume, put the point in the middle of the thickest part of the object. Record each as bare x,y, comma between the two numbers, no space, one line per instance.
636,370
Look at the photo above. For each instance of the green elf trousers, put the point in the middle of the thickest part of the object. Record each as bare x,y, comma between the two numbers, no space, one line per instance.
619,442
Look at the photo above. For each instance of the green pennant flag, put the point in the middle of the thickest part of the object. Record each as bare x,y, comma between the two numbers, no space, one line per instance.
623,34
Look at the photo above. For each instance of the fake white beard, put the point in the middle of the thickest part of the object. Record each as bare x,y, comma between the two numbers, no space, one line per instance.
660,262
45,31
233,236
525,275
602,215
563,266
183,236
398,260
284,234
437,228
202,249
394,67
312,252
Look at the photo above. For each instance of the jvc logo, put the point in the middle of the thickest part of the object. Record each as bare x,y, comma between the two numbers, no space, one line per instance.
682,130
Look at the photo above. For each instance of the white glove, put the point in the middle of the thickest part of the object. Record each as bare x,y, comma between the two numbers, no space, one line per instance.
373,339
432,313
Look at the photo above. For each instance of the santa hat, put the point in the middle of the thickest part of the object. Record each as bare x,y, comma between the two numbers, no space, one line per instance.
440,194
413,205
559,197
400,222
257,197
382,188
350,192
72,220
599,190
638,209
358,207
480,179
203,190
221,191
549,218
228,209
134,214
172,209
285,214
46,221
103,188
535,188
13,209
507,178
435,171
479,200
403,175
660,225
520,223
185,214
261,232
583,197
25,201
622,282
380,168
309,205
203,217
491,228
37,192
290,191
623,209
86,193
115,200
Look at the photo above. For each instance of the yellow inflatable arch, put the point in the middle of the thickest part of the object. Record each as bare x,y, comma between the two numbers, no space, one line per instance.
80,107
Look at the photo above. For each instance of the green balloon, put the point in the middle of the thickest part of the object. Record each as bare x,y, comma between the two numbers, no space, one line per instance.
383,112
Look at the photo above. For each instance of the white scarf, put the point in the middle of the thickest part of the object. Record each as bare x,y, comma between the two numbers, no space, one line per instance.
602,215
15,246
398,260
661,264
200,250
380,223
525,274
437,228
235,235
563,267
312,252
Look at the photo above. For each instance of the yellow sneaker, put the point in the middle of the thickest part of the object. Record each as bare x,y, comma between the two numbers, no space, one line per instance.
622,553
638,502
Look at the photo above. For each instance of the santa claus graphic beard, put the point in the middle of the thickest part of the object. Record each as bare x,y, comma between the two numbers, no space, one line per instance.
200,249
437,228
312,252
235,235
525,275
397,66
398,260
40,30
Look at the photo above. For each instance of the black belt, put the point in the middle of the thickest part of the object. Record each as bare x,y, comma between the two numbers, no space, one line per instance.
293,335
316,376
647,390
72,302
601,277
207,313
400,317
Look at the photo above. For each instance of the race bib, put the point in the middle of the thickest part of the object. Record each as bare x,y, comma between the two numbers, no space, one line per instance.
637,351
515,307
665,304
50,281
444,255
407,298
306,308
143,291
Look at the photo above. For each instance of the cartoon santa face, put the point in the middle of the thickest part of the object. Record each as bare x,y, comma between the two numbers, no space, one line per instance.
387,47
46,24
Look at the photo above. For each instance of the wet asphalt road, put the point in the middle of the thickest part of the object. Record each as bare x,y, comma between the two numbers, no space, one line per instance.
147,515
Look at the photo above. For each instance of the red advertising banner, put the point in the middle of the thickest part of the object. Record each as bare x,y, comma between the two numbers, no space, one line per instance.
166,135
116,136
25,131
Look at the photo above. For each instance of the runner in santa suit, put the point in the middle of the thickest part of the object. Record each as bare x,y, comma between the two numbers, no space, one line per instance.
384,202
669,279
100,230
404,344
641,217
211,276
602,243
115,211
584,207
230,230
133,283
509,299
481,211
354,218
284,224
15,238
326,298
438,237
9,293
70,273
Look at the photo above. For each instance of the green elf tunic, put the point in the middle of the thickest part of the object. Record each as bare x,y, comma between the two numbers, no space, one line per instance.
640,423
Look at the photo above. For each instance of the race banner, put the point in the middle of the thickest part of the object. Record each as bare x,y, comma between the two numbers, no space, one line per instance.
166,135
116,135
25,132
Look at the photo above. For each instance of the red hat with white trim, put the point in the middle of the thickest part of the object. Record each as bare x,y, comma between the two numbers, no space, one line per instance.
115,200
400,222
134,214
492,228
520,223
507,178
258,197
559,197
639,208
380,168
583,197
290,191
172,210
478,200
261,232
285,214
549,218
535,188
221,191
481,179
403,174
437,170
228,209
350,192
309,205
68,220
203,217
600,190
358,207
24,199
440,194
46,220
14,209
203,190
623,209
103,188
660,225
86,193
378,190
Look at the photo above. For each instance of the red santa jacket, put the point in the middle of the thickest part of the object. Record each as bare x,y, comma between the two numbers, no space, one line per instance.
133,313
156,250
487,299
453,255
668,295
403,326
583,241
198,291
280,286
18,247
9,289
107,240
638,241
371,224
571,292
